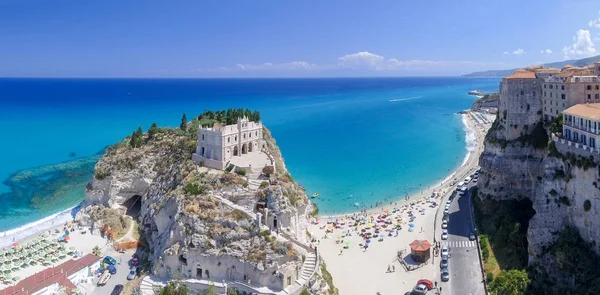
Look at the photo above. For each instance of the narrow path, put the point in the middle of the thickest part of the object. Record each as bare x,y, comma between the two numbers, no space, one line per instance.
129,235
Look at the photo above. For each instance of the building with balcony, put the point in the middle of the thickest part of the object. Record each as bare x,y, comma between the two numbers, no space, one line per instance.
570,87
581,125
219,144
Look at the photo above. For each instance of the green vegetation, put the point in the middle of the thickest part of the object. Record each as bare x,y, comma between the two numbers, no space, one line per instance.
314,211
241,172
227,117
183,125
264,184
574,260
329,279
584,163
503,231
173,288
193,189
557,124
305,292
564,200
538,138
587,205
512,282
136,139
229,168
96,251
153,131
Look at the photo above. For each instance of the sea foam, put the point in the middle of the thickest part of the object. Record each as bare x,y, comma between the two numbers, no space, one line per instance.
39,226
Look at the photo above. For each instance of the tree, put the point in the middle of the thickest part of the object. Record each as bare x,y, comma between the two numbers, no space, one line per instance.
137,138
183,125
153,130
256,116
96,251
512,282
248,114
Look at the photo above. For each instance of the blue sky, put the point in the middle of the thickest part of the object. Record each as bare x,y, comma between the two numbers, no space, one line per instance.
289,38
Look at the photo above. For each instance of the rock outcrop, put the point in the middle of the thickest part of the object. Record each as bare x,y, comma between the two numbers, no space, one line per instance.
487,101
519,162
202,223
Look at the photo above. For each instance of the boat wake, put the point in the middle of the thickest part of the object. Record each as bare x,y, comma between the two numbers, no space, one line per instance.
403,99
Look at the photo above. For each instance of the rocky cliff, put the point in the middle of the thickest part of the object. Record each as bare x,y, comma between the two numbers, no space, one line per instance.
487,101
560,183
191,215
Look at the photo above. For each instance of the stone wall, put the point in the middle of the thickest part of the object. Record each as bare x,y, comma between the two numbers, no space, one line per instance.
520,107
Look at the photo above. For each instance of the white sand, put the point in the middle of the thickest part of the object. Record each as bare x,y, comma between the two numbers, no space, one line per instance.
83,243
365,272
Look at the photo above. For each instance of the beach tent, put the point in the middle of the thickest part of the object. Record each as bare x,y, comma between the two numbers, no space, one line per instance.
420,250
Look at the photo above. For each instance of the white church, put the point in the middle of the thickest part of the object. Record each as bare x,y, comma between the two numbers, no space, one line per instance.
237,143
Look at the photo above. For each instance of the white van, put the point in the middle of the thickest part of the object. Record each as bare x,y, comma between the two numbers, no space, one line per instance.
468,179
460,184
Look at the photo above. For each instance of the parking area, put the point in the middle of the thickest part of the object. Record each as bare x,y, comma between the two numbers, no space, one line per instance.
120,277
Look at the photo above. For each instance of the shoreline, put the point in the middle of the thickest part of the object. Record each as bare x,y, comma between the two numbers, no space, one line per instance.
39,226
476,146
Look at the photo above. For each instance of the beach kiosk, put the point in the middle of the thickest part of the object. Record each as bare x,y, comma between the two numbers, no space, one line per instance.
420,250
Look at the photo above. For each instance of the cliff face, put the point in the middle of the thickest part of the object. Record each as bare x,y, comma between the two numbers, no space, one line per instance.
198,218
487,101
562,185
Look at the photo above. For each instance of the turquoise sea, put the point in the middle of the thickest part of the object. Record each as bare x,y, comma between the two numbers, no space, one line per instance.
356,141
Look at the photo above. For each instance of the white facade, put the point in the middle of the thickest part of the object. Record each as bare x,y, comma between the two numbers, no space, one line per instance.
582,127
217,145
564,91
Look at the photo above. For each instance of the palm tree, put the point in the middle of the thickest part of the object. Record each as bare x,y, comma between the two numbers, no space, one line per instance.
96,251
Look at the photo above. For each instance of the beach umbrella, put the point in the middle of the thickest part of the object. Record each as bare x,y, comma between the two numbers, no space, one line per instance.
411,224
368,241
15,244
347,244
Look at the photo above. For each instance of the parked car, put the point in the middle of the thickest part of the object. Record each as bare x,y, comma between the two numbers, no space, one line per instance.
135,260
448,202
444,224
445,275
132,273
445,252
444,234
117,290
446,211
104,278
109,260
428,284
444,263
112,269
420,289
472,236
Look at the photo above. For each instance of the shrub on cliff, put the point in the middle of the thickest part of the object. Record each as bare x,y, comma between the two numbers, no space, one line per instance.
512,282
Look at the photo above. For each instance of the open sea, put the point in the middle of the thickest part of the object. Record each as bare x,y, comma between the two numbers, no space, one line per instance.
356,141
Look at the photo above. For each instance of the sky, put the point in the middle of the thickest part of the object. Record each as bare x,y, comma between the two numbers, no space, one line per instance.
290,38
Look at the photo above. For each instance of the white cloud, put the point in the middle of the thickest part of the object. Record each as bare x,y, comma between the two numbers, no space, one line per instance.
515,52
595,23
363,59
295,65
519,52
583,46
546,51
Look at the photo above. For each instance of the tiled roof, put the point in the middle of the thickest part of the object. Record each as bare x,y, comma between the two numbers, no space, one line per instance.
521,74
50,276
585,110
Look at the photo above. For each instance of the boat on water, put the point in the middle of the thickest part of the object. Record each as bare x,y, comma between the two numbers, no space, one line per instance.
476,92
315,195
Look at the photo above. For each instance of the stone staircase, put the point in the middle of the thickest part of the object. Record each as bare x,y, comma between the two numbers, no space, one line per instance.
308,268
147,286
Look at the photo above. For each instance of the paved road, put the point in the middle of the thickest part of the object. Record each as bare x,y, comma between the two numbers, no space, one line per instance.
465,271
119,278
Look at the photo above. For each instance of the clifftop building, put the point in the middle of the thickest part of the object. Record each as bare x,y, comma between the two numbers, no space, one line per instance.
219,144
569,87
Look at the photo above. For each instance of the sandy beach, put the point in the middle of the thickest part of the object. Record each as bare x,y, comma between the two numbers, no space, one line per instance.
359,271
